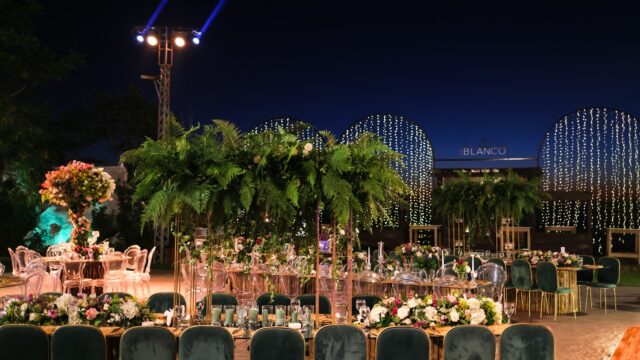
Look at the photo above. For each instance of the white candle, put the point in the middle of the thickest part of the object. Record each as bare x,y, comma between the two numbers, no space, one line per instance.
442,257
368,255
562,249
473,263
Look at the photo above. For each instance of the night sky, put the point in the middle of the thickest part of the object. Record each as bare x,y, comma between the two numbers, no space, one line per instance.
463,70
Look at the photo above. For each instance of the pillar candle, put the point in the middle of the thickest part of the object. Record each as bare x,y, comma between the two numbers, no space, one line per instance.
294,316
265,317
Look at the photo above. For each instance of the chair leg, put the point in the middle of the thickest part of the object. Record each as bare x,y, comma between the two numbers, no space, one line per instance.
579,299
542,297
516,302
615,300
605,301
555,307
529,303
573,304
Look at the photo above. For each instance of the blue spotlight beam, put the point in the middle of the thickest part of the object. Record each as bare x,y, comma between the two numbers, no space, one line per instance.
215,12
153,18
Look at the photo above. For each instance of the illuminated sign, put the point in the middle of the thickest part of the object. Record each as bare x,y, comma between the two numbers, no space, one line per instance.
487,150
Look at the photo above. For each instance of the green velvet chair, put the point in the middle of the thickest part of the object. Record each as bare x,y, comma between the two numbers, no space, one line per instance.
522,280
608,278
547,276
527,342
278,299
203,342
469,342
218,299
403,343
450,258
148,342
21,342
369,299
310,299
163,301
585,277
78,342
120,295
276,343
345,342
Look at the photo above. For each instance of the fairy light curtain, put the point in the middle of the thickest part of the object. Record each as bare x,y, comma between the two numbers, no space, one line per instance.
305,130
409,139
595,150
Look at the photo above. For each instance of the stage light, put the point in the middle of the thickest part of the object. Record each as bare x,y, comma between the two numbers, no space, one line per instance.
140,38
196,37
152,40
179,41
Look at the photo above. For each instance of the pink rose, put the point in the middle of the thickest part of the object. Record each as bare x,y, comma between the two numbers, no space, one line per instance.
91,313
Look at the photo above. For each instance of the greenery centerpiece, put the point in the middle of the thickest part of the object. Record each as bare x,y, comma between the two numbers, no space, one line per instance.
77,186
485,201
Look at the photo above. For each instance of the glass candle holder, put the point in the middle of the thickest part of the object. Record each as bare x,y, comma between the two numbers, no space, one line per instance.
216,315
280,312
266,310
228,314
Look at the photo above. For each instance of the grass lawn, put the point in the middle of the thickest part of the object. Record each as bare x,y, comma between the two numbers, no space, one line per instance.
630,277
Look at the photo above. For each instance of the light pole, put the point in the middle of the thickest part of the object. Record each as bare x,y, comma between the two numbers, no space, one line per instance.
164,40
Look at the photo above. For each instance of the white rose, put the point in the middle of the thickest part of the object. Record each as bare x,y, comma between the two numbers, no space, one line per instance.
477,317
403,312
342,232
307,149
419,254
430,313
407,321
473,303
24,307
454,316
130,309
412,303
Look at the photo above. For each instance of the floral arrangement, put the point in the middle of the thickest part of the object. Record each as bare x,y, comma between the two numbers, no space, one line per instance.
429,312
66,309
430,260
408,250
557,258
460,266
359,260
564,259
245,249
77,186
92,252
533,256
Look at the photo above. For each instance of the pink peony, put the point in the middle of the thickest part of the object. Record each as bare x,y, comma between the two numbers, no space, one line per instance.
91,313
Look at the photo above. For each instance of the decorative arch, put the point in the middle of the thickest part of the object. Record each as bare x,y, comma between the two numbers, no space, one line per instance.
593,150
411,140
303,129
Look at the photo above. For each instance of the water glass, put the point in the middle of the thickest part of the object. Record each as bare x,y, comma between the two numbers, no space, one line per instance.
360,303
266,310
509,310
216,315
341,314
281,312
308,311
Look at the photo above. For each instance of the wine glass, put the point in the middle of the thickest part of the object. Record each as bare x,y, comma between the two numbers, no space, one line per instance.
360,303
178,315
509,310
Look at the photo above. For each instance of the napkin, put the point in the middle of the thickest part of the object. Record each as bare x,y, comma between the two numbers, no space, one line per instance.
168,314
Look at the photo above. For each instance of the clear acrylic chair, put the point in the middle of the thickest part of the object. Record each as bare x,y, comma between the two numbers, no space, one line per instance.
55,267
497,277
146,276
15,267
134,278
21,258
130,253
113,266
72,271
34,275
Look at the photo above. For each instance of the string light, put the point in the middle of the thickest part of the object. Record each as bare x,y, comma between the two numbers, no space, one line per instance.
596,150
411,140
